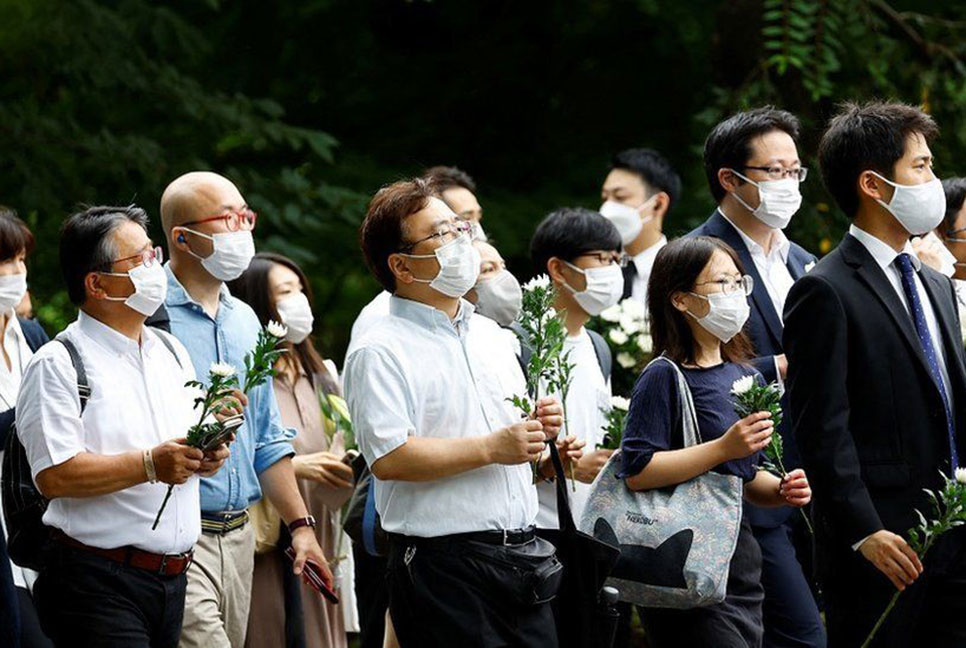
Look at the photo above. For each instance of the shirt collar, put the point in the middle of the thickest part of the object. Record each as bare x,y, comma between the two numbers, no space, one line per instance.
110,338
644,260
882,252
428,316
178,296
780,245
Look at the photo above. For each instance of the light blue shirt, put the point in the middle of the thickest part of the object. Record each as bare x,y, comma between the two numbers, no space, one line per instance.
261,440
416,373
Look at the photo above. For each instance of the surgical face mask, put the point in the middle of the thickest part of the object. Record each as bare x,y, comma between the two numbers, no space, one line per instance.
605,285
296,314
459,267
477,233
232,252
12,289
918,208
947,262
500,298
626,219
727,314
778,200
150,288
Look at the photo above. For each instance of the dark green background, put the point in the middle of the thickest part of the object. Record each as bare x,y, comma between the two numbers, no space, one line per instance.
310,106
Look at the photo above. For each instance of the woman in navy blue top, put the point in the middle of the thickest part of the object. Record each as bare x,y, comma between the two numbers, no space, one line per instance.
697,301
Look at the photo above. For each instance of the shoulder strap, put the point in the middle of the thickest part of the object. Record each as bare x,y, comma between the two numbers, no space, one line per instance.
83,387
164,338
689,419
604,356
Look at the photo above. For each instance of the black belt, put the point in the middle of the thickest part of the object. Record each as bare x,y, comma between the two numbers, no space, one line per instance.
222,523
505,537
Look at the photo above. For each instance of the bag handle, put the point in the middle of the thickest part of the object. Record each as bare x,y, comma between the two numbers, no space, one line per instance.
689,419
565,518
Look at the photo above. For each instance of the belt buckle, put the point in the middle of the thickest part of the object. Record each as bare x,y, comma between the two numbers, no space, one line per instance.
164,563
506,537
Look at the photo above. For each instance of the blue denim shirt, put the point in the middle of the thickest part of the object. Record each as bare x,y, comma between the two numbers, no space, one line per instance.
262,440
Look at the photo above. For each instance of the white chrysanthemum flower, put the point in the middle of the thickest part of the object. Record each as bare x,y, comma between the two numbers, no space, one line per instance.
221,369
631,324
742,385
540,281
626,360
645,343
620,403
617,336
275,329
634,308
612,314
961,475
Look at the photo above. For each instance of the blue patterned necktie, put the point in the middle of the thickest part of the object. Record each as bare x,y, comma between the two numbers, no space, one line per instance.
904,262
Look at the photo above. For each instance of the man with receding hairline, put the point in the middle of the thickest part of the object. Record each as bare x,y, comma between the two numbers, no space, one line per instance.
209,230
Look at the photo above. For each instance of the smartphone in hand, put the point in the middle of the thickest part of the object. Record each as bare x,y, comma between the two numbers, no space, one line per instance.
312,576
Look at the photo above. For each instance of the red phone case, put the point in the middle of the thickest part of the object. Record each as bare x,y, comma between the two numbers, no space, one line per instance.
311,576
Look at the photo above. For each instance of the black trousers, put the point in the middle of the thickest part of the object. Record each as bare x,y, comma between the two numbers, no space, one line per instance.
445,596
372,596
85,601
931,612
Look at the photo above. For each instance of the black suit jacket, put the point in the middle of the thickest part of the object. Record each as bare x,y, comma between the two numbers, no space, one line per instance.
868,418
36,337
764,329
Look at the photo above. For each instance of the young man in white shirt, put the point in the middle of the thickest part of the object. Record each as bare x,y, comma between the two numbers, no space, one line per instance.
638,192
452,458
106,467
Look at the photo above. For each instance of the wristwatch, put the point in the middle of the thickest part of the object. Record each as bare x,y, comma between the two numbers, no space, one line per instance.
307,521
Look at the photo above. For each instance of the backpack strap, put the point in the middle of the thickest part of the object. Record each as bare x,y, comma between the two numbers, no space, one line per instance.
604,356
83,387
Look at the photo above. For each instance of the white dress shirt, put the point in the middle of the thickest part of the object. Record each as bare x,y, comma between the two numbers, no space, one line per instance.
138,400
416,373
885,257
15,344
371,313
771,267
643,262
589,394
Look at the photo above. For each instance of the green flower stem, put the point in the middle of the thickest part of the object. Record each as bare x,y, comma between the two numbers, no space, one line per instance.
882,618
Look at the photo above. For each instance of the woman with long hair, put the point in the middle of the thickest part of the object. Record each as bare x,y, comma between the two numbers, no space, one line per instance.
277,289
698,304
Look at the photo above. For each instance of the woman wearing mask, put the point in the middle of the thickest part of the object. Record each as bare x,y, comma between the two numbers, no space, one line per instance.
697,301
277,289
952,231
19,338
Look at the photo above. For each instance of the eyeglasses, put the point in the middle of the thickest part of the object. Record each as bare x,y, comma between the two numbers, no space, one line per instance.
234,220
780,173
608,258
730,285
447,233
148,258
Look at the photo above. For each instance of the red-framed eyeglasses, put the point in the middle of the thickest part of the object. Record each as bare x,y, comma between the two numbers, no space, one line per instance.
235,220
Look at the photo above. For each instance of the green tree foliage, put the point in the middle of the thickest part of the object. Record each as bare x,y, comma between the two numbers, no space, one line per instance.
105,101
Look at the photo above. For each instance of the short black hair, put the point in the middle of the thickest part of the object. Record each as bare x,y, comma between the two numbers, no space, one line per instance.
15,236
653,168
955,189
447,177
569,232
86,243
864,137
729,144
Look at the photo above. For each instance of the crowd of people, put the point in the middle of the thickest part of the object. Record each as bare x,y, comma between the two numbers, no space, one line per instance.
455,488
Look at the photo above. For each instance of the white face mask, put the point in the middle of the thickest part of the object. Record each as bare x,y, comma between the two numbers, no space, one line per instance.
605,285
12,289
919,208
150,288
626,219
477,233
500,298
778,200
232,252
727,314
459,267
296,314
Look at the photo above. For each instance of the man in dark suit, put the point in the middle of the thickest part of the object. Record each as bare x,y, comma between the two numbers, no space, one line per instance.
753,169
877,385
638,192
